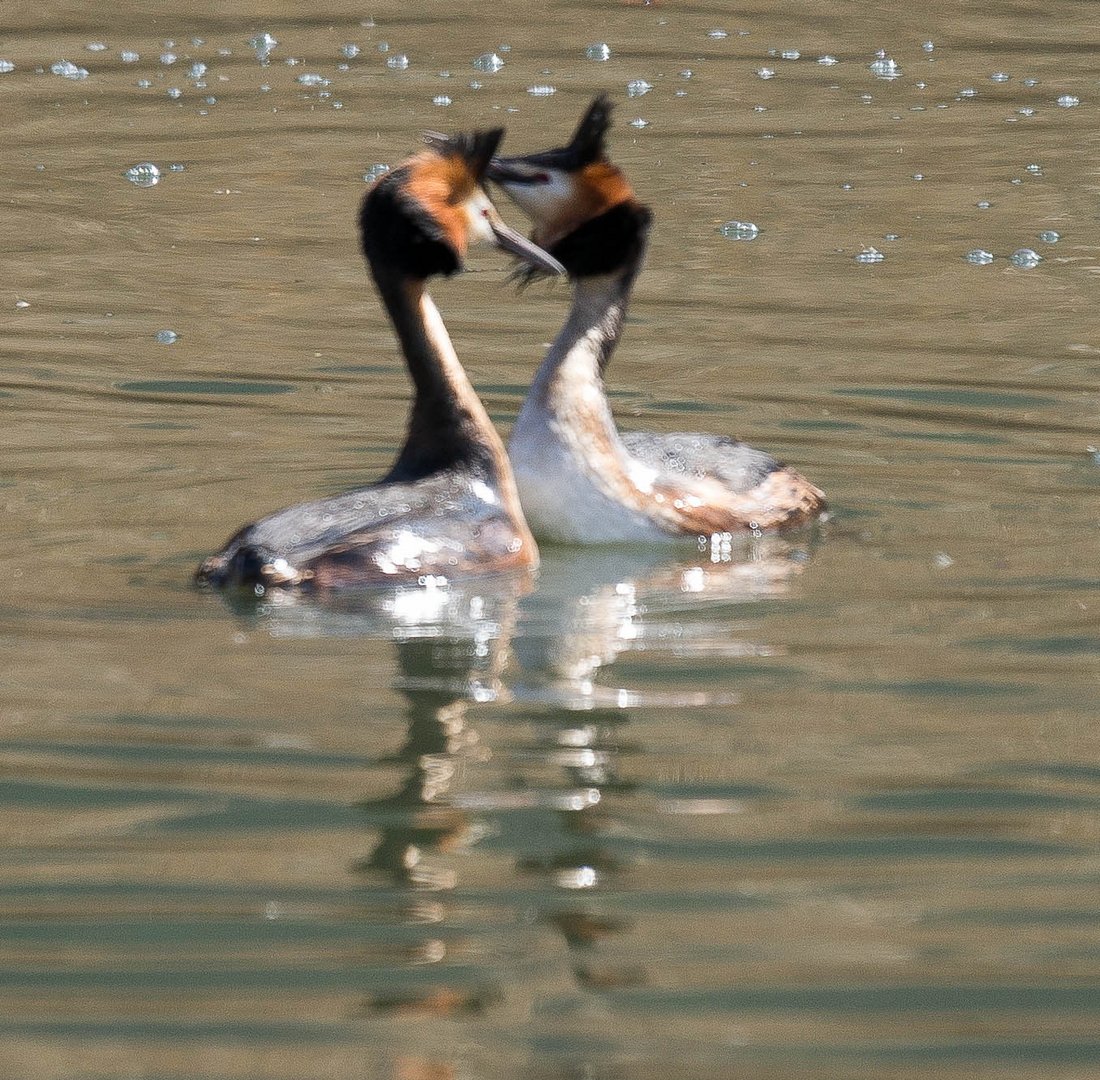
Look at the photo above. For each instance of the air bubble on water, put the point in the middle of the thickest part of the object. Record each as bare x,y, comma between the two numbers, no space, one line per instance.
928,46
1000,76
1049,236
6,66
790,54
870,255
441,99
176,167
488,62
1025,258
760,108
638,88
686,73
885,68
96,46
196,71
599,50
638,122
263,45
210,100
827,60
1068,101
918,176
168,58
846,186
374,172
739,230
145,174
1035,170
983,204
1025,112
349,51
175,92
475,85
312,79
967,92
128,56
144,83
383,46
979,257
765,73
943,560
400,62
1031,82
1015,180
541,90
22,303
718,34
166,337
68,70
891,236
337,104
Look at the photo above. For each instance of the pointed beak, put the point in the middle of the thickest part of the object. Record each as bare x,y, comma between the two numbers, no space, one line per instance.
511,241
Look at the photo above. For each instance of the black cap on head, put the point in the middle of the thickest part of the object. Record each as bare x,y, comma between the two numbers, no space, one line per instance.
398,231
476,148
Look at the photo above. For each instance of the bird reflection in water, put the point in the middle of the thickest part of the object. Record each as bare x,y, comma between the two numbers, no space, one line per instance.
591,607
563,795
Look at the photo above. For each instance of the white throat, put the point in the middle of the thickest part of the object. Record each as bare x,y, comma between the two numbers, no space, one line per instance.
576,480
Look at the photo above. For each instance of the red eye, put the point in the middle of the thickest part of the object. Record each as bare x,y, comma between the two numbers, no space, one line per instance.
541,178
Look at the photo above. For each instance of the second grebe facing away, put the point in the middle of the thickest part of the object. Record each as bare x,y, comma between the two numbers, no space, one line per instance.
448,506
579,480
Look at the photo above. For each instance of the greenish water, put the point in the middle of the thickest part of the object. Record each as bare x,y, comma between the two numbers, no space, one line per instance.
828,809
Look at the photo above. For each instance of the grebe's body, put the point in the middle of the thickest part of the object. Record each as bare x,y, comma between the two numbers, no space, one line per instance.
449,504
579,479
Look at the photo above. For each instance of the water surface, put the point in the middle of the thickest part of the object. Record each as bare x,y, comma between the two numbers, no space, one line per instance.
826,809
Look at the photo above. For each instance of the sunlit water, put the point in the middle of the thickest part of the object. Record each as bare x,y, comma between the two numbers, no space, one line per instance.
828,808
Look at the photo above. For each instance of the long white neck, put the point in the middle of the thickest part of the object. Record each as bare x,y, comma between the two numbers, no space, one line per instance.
570,378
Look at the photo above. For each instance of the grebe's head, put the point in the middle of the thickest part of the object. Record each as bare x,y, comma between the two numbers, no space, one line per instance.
583,207
419,219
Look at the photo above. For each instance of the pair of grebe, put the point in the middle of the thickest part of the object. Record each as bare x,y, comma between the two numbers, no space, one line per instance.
454,502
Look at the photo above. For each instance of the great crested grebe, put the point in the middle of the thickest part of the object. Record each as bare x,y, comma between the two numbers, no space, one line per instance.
448,506
579,479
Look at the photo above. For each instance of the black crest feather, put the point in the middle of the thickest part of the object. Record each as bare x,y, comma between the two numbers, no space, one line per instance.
476,148
587,145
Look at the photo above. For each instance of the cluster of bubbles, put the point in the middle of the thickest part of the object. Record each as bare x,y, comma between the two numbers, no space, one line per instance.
739,230
1024,258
